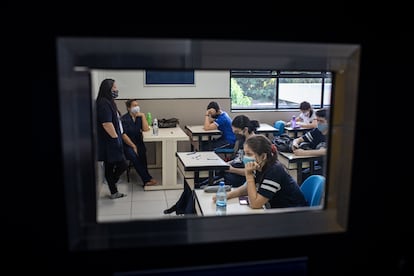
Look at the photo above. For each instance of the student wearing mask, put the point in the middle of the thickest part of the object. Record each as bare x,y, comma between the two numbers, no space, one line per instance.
307,116
134,123
215,118
267,181
243,128
315,139
110,149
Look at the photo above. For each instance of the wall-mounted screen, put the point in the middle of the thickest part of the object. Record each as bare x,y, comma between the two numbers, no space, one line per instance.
169,77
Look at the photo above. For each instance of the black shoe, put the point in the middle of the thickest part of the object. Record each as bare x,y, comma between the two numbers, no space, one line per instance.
170,210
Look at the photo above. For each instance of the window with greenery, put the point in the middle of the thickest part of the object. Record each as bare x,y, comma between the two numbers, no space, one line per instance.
271,89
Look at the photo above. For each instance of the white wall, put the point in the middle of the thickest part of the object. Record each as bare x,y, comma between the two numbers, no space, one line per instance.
208,84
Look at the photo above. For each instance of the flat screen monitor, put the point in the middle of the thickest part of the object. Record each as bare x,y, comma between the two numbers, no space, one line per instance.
77,57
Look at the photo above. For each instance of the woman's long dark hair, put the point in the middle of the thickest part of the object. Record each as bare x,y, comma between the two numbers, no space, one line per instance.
105,91
260,144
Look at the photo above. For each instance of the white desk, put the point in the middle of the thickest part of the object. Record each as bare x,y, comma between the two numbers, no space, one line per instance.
168,137
198,133
192,164
295,164
205,205
297,131
266,129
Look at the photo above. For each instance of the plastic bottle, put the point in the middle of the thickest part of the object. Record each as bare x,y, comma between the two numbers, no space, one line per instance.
155,127
149,118
293,122
221,199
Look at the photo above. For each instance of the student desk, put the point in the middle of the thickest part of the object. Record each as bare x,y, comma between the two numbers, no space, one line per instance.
297,131
199,134
295,164
205,205
266,129
194,165
168,137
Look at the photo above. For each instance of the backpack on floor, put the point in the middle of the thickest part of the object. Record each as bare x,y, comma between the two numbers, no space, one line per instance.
186,202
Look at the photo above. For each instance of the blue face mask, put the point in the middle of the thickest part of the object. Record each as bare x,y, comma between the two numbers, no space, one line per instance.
115,94
247,159
322,127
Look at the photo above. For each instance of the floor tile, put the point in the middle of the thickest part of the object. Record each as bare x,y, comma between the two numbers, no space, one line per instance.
138,204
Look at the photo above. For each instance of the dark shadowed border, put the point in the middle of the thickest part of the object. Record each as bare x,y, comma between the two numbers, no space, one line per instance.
77,56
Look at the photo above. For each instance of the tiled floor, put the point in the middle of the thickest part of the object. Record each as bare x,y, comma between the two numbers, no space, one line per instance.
138,204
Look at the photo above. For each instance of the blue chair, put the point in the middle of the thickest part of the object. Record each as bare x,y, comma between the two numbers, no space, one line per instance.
280,126
228,153
314,188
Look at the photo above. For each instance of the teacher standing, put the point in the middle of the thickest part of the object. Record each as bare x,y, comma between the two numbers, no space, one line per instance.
110,147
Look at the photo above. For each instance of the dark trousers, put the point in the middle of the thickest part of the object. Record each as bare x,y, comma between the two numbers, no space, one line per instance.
215,143
112,173
140,163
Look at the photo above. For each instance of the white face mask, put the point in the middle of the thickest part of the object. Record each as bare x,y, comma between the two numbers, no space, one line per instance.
135,109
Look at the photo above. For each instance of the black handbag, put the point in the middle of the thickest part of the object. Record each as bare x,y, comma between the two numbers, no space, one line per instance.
283,143
166,123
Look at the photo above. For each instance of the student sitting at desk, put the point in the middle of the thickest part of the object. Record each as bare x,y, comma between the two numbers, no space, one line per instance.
243,128
215,118
267,181
316,139
307,116
134,123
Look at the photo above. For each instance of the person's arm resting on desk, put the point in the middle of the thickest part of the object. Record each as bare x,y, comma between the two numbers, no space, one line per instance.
301,152
312,124
296,142
313,152
239,191
209,121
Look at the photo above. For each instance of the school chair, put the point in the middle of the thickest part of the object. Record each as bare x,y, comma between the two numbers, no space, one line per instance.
313,188
228,153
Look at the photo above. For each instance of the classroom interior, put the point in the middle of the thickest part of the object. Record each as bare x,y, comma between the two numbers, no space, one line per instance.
377,233
171,101
77,60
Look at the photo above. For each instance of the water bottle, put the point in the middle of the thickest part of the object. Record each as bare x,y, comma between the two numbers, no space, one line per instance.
155,127
293,122
149,118
221,199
